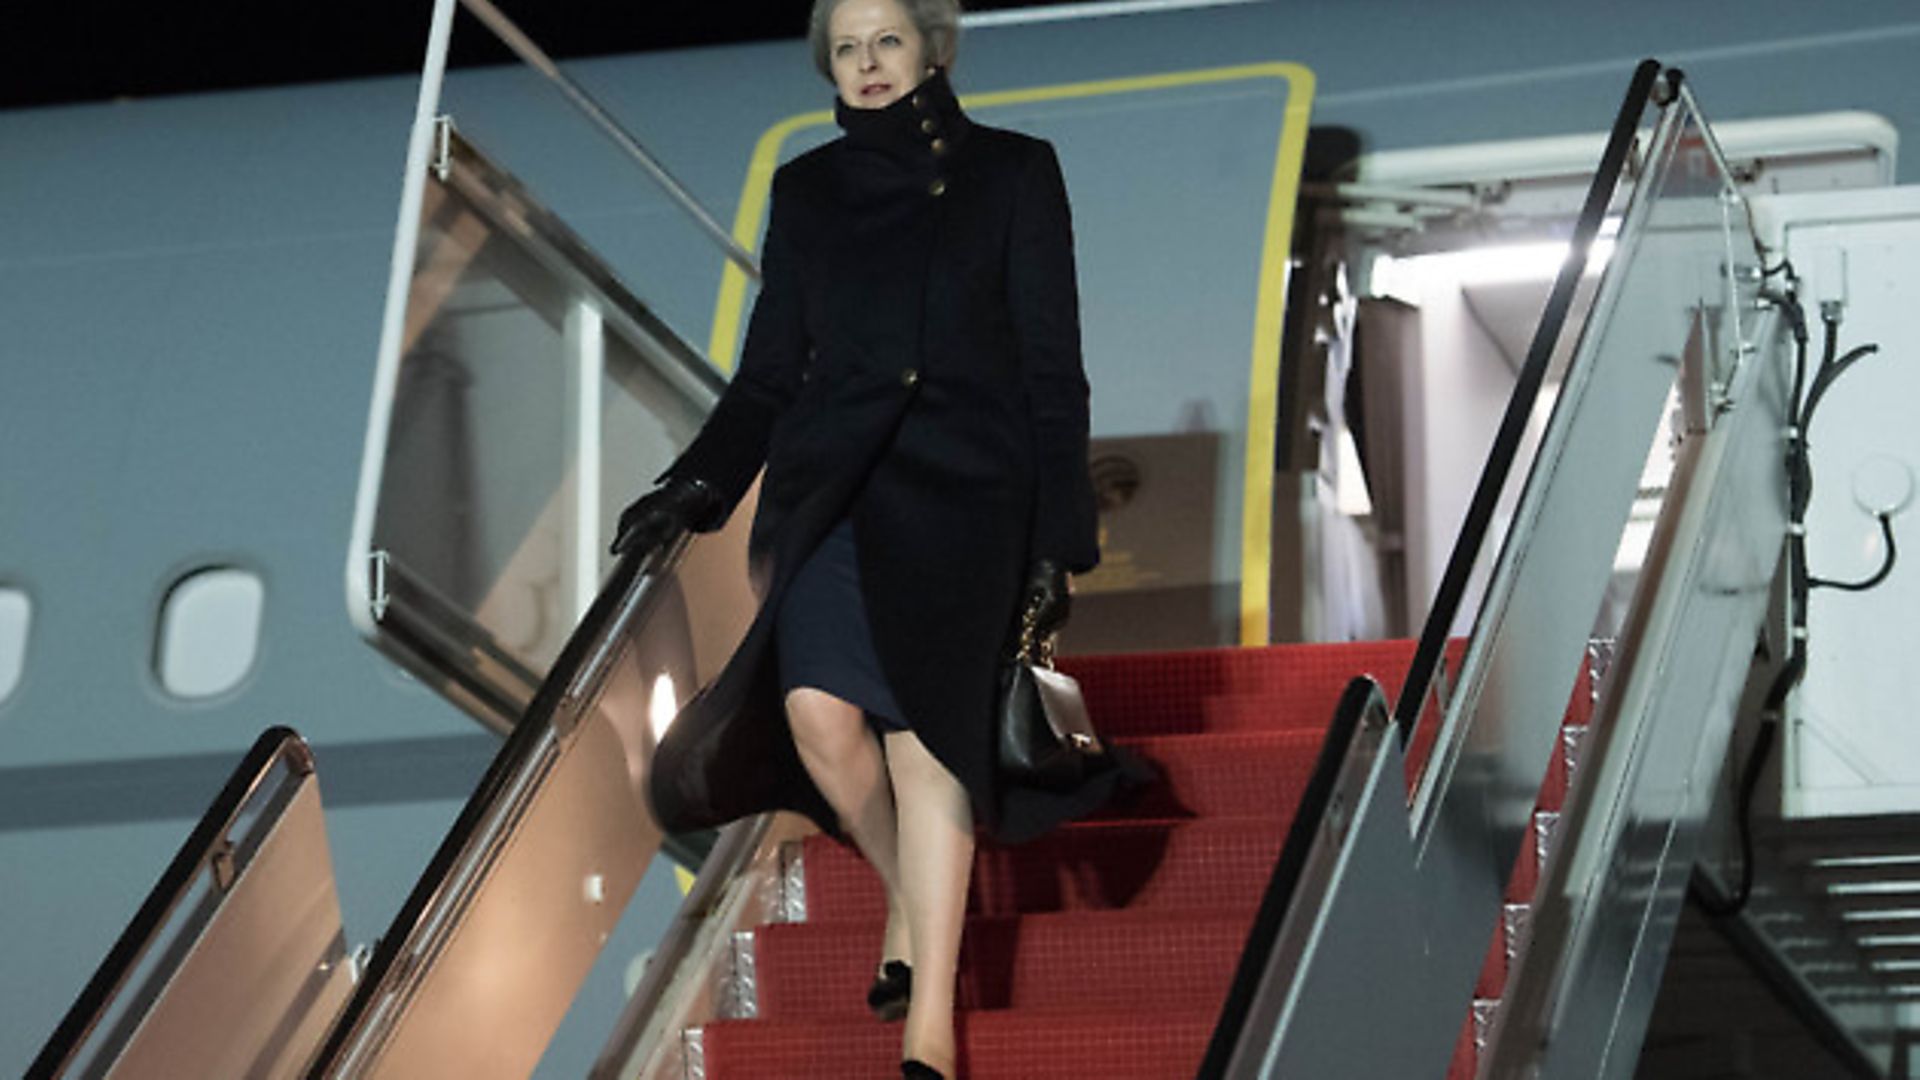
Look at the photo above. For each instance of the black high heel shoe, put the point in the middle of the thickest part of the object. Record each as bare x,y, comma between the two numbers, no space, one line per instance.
911,1069
891,991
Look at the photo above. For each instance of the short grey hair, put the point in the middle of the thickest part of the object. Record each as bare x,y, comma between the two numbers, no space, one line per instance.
937,20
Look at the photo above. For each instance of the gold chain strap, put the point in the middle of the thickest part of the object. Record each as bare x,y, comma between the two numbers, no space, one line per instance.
1036,650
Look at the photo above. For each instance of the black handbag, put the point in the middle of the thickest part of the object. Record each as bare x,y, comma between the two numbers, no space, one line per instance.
1046,740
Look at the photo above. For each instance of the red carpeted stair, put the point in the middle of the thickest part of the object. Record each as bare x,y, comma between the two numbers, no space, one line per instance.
1104,949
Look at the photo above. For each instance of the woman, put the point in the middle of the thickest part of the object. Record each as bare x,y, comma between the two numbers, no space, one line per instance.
911,381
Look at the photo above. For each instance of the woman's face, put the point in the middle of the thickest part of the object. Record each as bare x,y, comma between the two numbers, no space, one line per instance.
876,53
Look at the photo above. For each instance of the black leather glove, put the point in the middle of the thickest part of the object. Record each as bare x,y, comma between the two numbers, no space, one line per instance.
1045,601
658,516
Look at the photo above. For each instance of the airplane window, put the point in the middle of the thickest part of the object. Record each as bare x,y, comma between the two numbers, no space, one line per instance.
16,611
209,631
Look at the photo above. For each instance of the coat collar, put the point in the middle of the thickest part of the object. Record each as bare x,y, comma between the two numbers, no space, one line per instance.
925,125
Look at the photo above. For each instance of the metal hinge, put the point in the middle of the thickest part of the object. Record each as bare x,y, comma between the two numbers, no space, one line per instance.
377,597
221,863
360,959
442,162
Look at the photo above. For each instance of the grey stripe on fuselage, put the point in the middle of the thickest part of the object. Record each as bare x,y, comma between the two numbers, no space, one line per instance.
180,787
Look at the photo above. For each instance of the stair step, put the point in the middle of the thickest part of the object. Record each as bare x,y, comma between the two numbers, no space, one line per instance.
1224,690
1077,960
1014,1044
1138,865
1258,774
1279,687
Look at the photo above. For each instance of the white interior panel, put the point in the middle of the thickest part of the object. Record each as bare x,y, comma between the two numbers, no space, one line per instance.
1852,730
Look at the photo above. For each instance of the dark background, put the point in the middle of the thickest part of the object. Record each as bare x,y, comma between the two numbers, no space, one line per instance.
54,52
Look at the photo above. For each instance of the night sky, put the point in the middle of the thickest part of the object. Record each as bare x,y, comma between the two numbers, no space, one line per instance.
54,52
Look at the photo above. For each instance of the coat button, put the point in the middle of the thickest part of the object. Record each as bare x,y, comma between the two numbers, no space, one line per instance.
928,126
919,101
939,146
909,377
937,188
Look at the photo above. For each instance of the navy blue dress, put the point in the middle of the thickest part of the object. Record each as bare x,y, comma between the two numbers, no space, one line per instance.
822,634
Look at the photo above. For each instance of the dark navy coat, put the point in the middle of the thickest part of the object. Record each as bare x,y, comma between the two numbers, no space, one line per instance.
912,363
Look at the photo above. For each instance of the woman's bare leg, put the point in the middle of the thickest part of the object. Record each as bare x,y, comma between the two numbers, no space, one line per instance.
936,858
846,762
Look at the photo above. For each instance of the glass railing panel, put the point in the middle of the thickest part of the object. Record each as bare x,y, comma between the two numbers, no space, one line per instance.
525,125
1497,269
477,452
236,963
1667,330
525,371
507,921
568,132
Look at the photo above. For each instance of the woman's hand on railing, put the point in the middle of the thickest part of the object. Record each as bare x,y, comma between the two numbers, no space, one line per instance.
657,517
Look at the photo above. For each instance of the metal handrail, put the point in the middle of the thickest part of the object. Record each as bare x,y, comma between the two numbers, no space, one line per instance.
198,855
515,39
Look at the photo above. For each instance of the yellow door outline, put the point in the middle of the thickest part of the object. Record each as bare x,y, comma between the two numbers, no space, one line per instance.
1263,385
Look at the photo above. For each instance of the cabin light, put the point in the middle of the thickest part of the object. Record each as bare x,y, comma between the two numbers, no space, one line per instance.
663,707
1350,482
1408,276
